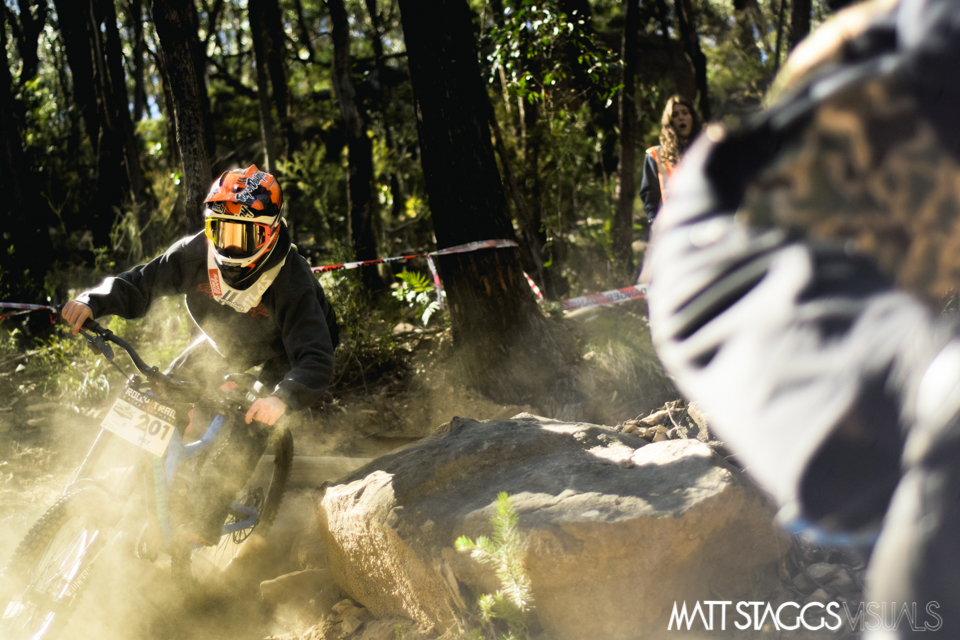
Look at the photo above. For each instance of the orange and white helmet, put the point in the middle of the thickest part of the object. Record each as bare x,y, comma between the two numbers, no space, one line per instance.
242,220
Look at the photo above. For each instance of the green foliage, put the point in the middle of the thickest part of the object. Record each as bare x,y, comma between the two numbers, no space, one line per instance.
367,349
501,615
60,366
538,47
320,212
418,291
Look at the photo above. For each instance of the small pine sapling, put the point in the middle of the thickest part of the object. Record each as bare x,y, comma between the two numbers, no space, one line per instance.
504,553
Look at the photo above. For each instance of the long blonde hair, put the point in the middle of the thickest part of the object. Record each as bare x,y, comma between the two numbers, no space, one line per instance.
672,145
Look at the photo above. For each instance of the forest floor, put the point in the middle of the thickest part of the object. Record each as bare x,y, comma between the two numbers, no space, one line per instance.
43,440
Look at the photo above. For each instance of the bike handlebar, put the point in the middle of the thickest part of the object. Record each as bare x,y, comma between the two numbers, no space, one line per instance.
150,372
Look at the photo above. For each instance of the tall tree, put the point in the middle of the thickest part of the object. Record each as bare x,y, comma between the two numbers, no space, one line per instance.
502,338
363,205
266,29
33,18
686,20
78,22
116,97
26,251
175,21
257,13
135,17
800,11
623,220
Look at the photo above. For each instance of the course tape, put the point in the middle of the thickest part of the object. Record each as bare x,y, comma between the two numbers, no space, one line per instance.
533,285
583,302
460,248
24,309
613,296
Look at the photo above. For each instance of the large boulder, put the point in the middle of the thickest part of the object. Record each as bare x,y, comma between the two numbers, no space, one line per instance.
615,530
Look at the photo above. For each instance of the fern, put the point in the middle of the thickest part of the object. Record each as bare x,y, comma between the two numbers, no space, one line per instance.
417,290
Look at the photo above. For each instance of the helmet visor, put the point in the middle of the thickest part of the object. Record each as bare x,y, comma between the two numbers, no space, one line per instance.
238,239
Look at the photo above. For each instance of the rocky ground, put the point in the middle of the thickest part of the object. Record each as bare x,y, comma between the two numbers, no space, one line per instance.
42,440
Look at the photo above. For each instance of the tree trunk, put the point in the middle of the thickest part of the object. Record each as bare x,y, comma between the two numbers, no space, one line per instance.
623,220
118,97
362,203
175,30
396,194
533,241
31,26
778,48
257,12
26,251
691,44
501,337
799,21
171,149
82,40
135,8
72,23
304,30
276,65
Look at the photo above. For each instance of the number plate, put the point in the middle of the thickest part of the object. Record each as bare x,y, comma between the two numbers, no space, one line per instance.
141,420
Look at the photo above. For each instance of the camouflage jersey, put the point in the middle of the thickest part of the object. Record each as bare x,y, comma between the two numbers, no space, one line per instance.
797,268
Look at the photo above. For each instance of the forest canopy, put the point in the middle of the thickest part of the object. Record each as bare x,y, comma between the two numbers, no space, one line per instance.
117,114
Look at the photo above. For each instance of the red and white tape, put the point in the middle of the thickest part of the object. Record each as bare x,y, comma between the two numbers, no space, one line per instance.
23,308
533,285
613,296
460,248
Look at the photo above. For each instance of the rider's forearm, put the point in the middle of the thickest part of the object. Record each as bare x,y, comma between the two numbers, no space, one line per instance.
130,294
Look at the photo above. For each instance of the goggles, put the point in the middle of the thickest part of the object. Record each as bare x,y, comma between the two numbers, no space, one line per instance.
238,239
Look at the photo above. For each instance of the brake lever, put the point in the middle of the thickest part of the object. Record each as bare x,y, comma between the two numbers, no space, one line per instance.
98,345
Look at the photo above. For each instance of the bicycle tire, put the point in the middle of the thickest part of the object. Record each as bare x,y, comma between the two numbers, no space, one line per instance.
199,572
43,581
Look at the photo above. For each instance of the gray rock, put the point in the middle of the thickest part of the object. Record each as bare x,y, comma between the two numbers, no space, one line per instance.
822,571
613,530
315,585
843,582
818,596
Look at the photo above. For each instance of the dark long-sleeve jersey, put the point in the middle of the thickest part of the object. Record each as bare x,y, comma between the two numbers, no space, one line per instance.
650,187
292,321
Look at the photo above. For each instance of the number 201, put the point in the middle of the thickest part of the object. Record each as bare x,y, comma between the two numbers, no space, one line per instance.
152,427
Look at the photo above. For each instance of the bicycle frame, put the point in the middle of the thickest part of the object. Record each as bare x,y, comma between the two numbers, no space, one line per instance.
161,471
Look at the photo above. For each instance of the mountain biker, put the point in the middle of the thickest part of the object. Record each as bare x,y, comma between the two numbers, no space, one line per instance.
252,296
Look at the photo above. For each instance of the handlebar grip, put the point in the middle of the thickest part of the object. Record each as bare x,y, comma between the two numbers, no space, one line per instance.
92,325
89,324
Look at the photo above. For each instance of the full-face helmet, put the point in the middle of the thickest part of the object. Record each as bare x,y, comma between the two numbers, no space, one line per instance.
242,217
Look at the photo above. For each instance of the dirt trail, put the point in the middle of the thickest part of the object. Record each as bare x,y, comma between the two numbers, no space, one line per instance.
43,442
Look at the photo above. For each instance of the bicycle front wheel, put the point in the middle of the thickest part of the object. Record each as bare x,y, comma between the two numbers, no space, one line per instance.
40,586
208,570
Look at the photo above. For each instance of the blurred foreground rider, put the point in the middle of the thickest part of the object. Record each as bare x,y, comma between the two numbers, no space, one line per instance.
254,299
796,275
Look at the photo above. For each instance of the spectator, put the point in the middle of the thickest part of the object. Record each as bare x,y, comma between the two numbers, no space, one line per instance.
678,126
